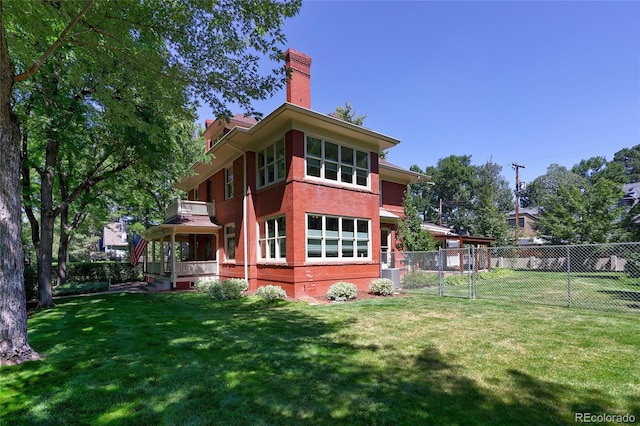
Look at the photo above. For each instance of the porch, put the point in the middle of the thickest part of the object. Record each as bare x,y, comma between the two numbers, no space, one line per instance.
183,249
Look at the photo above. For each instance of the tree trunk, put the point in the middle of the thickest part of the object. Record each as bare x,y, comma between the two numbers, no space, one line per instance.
14,344
63,247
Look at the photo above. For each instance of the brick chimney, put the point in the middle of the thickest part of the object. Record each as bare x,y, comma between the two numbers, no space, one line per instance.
299,84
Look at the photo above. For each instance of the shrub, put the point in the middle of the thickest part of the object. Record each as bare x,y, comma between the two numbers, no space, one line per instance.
114,272
204,286
632,267
342,291
271,293
420,279
381,287
80,288
232,288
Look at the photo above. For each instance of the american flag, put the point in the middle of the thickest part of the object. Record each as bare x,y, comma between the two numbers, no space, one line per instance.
137,248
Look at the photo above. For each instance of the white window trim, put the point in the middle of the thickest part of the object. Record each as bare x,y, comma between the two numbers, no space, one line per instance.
262,258
227,237
275,163
337,182
339,258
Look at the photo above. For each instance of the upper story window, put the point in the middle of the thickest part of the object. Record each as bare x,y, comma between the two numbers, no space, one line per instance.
331,237
331,161
272,242
228,183
271,164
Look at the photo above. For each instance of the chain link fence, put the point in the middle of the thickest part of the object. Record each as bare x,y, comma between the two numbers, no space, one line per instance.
598,276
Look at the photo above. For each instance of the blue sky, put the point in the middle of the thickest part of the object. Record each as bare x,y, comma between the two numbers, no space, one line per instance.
534,83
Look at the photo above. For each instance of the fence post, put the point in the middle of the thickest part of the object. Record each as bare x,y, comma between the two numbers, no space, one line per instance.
569,276
474,271
440,273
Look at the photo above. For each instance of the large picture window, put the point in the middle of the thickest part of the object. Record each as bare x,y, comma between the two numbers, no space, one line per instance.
271,164
331,161
230,242
272,242
332,237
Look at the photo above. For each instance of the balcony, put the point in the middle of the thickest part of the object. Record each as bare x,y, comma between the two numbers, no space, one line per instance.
190,208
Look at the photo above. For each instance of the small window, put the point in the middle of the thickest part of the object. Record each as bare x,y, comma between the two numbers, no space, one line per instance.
229,184
230,242
272,243
270,163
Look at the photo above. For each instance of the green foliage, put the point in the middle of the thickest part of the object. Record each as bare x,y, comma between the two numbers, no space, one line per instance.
271,293
629,158
582,214
229,289
342,291
381,287
419,279
347,114
632,267
411,237
72,288
114,272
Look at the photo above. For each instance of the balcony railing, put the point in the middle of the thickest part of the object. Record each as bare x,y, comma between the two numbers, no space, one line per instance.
190,208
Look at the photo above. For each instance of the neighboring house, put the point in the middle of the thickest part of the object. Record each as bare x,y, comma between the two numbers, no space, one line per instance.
632,194
448,238
299,199
113,244
527,217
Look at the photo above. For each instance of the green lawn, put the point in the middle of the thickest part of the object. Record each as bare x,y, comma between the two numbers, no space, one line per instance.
179,358
610,291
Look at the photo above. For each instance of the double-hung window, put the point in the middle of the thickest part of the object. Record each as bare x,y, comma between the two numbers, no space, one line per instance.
333,237
335,162
230,241
272,242
271,164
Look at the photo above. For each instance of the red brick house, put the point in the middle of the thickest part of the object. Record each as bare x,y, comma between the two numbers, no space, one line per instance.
299,199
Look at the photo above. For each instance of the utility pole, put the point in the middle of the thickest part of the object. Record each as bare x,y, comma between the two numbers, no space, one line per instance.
517,168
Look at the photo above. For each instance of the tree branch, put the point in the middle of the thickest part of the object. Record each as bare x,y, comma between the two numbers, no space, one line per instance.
38,63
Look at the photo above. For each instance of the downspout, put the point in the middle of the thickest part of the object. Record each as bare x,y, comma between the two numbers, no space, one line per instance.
245,238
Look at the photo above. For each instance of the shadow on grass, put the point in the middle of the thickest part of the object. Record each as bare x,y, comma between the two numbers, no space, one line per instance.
167,359
626,295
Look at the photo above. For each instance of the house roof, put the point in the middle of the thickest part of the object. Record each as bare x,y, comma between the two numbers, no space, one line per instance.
182,225
531,211
284,118
391,172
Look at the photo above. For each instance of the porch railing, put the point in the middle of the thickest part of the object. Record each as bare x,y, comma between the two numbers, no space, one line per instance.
209,267
192,208
191,268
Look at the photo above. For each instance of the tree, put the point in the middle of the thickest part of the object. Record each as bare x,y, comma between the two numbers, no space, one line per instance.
411,237
582,214
629,158
214,47
347,114
545,186
492,200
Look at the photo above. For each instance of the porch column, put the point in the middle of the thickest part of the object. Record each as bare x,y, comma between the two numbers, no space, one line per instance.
162,264
173,260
